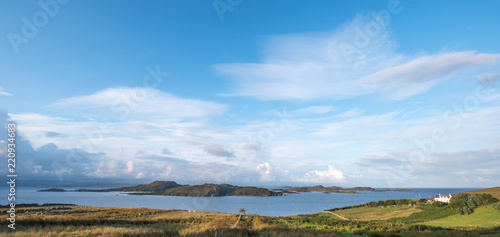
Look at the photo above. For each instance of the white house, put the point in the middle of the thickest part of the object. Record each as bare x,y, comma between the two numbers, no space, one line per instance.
442,198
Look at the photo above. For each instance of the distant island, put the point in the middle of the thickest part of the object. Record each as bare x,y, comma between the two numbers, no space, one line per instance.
335,189
320,188
394,190
52,190
171,188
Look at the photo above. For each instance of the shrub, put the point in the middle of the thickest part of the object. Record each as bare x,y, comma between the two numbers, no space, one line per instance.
496,206
465,203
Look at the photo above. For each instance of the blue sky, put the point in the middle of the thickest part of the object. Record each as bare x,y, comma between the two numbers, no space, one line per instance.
348,93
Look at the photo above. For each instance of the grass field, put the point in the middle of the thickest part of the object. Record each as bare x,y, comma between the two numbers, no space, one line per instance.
482,217
377,213
138,222
495,192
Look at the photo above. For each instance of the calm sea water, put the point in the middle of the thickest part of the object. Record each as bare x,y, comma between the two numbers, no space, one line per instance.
291,204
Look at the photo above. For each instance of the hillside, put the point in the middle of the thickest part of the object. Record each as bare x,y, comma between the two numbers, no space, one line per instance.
156,186
211,190
495,191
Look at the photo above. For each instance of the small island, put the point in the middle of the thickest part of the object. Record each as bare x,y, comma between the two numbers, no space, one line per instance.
52,190
171,188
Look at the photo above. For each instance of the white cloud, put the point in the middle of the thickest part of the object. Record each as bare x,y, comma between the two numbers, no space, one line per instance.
265,171
4,92
126,103
417,75
139,175
311,66
331,175
129,167
105,170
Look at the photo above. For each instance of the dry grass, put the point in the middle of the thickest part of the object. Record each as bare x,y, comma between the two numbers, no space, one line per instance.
377,213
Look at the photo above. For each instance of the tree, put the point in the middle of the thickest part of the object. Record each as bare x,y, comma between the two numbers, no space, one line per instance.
496,206
242,211
465,202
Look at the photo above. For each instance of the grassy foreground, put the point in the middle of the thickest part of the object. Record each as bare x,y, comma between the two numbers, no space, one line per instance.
364,221
482,217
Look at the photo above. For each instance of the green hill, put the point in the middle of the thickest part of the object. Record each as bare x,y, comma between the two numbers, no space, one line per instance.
156,186
495,191
211,190
172,188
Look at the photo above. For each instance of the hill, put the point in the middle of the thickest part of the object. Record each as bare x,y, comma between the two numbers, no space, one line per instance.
156,186
495,191
171,188
211,190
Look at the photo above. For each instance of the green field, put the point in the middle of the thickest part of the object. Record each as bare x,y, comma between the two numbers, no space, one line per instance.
482,217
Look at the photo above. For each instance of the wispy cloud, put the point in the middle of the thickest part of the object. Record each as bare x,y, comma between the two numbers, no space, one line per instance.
2,92
312,66
129,103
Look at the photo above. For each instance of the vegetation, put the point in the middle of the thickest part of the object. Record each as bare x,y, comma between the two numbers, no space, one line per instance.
377,213
52,190
495,192
206,190
402,217
465,203
482,217
496,206
172,188
100,221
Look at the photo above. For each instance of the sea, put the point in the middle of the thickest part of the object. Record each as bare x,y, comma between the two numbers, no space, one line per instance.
290,204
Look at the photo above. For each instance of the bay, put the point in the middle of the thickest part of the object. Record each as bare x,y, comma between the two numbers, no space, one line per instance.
291,204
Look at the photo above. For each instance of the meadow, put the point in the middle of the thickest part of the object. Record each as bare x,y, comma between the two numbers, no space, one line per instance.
422,220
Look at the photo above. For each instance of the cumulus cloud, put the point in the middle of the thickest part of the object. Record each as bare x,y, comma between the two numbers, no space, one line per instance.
265,171
331,175
130,167
313,65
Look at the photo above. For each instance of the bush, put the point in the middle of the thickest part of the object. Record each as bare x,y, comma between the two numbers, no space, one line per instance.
496,206
465,203
389,202
438,204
